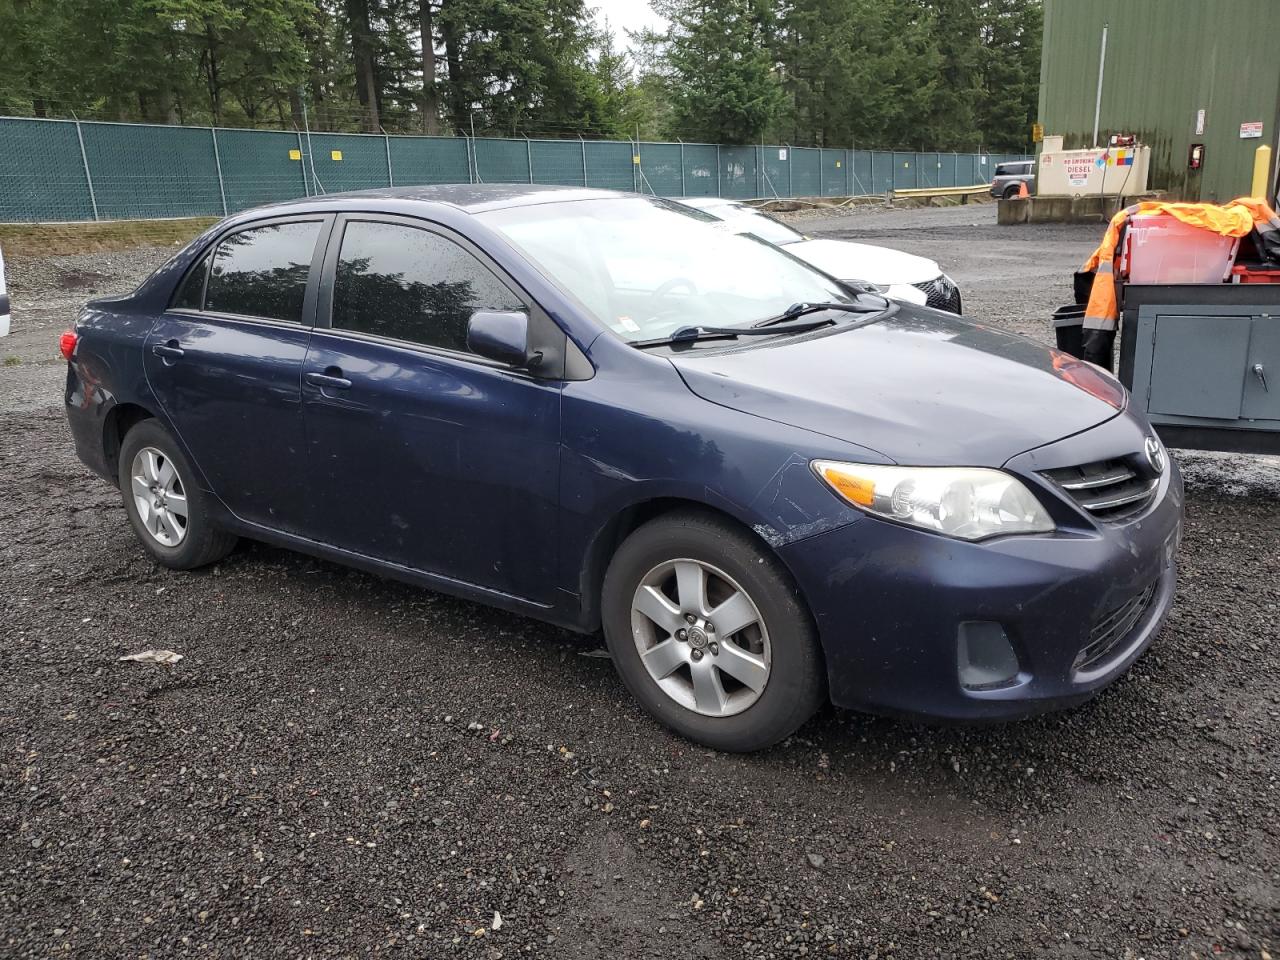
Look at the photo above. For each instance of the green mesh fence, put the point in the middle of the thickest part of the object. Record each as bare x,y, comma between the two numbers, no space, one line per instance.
559,162
425,160
775,169
502,161
63,170
41,172
836,181
863,175
701,164
661,169
261,166
947,170
806,171
142,172
347,161
611,166
738,175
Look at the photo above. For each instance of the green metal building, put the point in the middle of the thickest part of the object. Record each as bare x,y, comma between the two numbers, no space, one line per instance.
1176,73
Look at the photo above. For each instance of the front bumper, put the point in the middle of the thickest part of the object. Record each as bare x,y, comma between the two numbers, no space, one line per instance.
889,600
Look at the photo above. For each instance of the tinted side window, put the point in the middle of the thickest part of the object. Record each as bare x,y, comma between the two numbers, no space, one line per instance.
409,284
191,294
262,271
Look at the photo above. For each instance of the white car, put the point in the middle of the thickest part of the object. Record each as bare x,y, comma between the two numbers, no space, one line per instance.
902,276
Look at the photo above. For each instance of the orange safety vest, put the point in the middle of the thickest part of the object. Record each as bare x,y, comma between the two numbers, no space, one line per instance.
1234,219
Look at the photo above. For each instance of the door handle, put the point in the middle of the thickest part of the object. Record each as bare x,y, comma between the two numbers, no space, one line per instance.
1261,374
169,350
331,378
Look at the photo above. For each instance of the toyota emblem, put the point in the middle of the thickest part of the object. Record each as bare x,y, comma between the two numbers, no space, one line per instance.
1155,454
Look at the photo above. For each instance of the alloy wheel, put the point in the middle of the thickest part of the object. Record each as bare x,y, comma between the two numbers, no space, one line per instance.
701,637
159,496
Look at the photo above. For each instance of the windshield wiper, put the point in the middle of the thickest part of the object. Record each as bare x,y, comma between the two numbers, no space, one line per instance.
701,332
800,309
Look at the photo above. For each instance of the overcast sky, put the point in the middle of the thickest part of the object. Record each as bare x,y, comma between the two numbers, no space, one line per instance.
624,15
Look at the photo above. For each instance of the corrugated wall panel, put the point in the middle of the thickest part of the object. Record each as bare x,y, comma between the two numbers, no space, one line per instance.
1166,60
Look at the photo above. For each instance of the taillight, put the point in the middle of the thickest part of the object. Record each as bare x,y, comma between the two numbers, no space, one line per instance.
67,344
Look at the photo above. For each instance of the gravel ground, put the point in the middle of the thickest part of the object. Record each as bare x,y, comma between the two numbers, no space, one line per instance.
343,766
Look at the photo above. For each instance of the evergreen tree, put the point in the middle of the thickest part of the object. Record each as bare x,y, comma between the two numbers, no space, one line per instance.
938,74
1012,36
723,81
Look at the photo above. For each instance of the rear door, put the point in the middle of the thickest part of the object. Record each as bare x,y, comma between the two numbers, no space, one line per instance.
423,454
225,362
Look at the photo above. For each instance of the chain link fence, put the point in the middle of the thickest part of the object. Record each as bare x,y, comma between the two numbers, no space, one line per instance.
61,170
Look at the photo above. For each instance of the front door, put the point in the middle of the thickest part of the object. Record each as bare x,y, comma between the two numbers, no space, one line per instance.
421,453
225,363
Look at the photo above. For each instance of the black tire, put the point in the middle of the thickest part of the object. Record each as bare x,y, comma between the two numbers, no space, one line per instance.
202,543
796,684
1011,192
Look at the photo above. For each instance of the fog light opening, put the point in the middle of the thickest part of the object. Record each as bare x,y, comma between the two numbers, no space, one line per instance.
985,656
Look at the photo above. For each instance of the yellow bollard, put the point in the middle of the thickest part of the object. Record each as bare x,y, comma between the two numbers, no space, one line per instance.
1261,169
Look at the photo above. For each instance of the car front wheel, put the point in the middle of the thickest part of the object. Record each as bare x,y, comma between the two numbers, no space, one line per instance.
167,509
709,633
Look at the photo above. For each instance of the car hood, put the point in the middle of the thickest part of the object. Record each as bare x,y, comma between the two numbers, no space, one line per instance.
862,261
920,387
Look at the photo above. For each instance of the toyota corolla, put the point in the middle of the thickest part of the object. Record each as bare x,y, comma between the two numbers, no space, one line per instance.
767,488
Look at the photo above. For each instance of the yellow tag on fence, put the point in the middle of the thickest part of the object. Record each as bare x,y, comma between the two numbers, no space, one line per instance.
335,154
295,154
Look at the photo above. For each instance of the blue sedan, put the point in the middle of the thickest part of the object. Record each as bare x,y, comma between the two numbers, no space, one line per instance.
768,489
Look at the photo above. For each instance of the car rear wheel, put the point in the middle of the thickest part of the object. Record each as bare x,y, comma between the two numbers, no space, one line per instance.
166,507
709,633
1011,191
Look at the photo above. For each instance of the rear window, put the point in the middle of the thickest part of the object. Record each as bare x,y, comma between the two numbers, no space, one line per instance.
1012,169
262,271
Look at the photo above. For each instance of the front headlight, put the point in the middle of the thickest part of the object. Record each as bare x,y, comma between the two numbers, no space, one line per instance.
966,502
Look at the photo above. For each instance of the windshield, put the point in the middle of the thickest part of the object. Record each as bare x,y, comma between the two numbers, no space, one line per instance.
745,220
646,267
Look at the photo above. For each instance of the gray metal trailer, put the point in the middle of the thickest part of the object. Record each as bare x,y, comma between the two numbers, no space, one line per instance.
1203,360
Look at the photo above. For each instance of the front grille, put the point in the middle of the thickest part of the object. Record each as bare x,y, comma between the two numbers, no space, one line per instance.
941,294
1113,628
1110,490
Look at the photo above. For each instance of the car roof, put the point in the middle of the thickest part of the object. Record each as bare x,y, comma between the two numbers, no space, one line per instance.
469,197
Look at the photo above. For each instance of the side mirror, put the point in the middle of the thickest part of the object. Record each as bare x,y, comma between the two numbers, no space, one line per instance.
502,336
